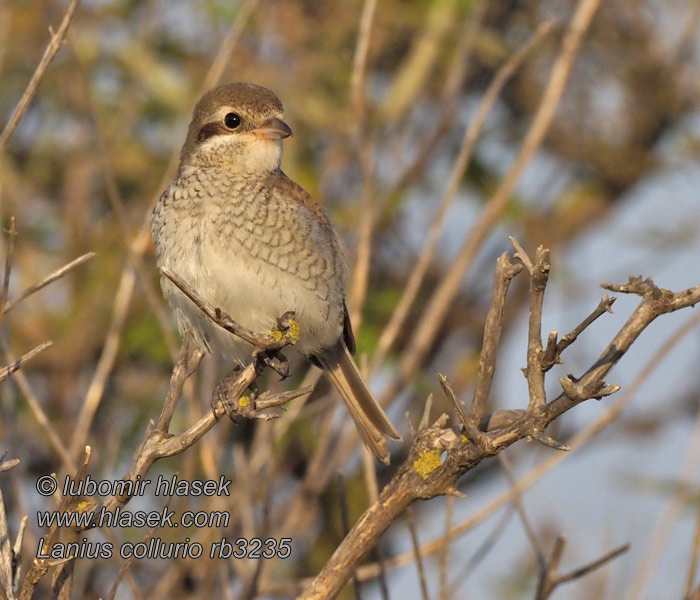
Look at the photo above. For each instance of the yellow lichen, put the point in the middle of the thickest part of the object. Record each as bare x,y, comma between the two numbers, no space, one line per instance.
464,437
244,401
292,333
427,462
82,506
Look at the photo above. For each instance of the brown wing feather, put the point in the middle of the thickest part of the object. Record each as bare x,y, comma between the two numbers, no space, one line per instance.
293,190
348,335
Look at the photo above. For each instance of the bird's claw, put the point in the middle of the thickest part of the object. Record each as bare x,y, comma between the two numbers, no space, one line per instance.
275,360
225,395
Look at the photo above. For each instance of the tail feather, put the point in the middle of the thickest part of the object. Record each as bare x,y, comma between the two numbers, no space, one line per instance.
371,420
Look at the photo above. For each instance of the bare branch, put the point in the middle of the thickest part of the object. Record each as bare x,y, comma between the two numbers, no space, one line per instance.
40,566
6,577
505,418
472,430
539,275
364,149
228,398
505,271
425,473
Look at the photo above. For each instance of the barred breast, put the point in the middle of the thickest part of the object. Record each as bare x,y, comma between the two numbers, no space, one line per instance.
255,247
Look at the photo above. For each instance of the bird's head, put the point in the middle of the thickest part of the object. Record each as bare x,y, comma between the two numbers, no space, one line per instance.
238,127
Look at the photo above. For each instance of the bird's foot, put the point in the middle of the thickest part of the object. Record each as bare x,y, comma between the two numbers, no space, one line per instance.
227,394
275,360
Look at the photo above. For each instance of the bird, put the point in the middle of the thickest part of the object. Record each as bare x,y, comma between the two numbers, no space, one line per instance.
254,243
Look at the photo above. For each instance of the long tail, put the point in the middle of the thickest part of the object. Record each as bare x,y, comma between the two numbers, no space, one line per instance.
371,420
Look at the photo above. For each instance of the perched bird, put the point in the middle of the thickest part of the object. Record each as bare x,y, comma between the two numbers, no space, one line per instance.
253,243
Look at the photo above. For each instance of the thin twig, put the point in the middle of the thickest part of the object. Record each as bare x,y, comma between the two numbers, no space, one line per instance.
520,509
57,274
450,97
592,566
42,419
6,578
159,443
49,54
470,427
665,524
548,576
108,356
11,234
550,579
554,349
445,553
345,519
258,340
693,562
5,372
40,566
410,519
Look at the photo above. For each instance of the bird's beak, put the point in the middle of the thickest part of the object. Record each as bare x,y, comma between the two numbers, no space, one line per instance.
272,129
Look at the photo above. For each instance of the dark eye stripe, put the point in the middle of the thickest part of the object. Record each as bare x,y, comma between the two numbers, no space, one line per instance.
210,130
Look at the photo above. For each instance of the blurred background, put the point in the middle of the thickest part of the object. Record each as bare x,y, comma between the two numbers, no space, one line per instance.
612,191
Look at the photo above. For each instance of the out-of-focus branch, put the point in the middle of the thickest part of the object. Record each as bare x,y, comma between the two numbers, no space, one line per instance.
673,510
40,415
449,99
57,274
693,561
49,54
11,234
364,148
8,370
438,306
551,579
471,135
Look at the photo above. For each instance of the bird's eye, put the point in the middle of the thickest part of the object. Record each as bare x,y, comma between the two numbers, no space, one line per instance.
232,120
